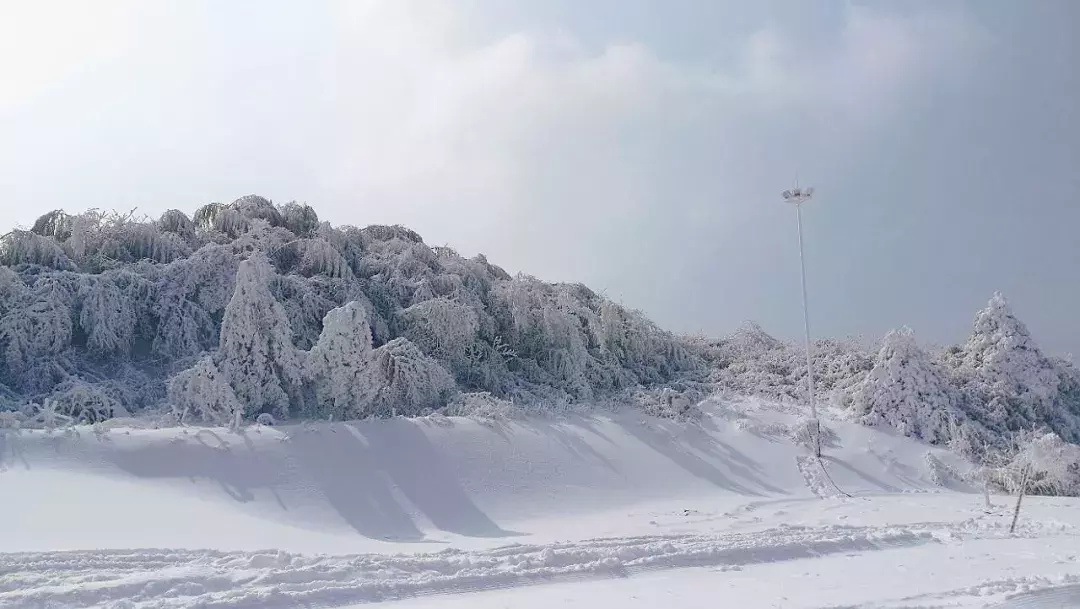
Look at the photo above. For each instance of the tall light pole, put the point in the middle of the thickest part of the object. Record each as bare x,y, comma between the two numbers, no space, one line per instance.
798,196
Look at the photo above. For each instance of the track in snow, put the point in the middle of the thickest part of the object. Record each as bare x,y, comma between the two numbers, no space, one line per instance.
143,579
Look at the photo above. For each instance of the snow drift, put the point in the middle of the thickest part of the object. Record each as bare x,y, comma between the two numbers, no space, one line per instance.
382,484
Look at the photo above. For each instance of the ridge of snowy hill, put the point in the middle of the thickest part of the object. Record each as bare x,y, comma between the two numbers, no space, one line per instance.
337,514
254,309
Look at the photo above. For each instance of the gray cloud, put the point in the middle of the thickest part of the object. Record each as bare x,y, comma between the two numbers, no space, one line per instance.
556,150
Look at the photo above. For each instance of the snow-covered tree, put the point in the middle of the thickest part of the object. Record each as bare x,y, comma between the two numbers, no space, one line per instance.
443,329
256,353
35,331
114,306
301,220
202,393
25,247
176,221
310,257
342,366
1004,369
411,381
906,390
254,207
56,224
191,294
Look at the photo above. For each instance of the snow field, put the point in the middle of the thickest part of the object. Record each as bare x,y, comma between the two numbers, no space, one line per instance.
447,511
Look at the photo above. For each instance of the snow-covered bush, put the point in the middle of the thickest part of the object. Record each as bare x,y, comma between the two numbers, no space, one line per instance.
1051,465
481,405
803,432
342,366
83,402
442,329
202,393
411,381
905,390
751,362
667,402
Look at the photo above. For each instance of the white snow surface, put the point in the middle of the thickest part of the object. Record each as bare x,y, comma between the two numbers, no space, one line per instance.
582,510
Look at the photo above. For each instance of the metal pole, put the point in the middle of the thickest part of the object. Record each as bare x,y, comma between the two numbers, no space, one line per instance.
816,439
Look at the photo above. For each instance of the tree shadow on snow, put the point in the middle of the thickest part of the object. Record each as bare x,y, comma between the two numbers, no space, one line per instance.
405,454
684,444
237,472
10,441
881,484
346,472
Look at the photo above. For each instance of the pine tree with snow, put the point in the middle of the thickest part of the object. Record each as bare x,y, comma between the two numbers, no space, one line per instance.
1004,369
342,365
256,353
905,390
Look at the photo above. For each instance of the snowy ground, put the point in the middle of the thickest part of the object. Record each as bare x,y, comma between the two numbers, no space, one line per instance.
579,511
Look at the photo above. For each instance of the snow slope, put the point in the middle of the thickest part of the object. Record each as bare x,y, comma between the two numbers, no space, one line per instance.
337,514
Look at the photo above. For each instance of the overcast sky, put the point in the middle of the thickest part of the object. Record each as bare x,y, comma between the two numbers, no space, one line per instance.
636,146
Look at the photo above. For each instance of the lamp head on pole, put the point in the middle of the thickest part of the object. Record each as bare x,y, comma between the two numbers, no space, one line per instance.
797,195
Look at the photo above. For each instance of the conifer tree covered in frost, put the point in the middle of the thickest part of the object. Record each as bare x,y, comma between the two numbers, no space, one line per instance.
256,353
342,366
907,391
1005,371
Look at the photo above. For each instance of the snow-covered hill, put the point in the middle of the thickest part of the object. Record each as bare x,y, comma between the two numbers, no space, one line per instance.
338,514
255,309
